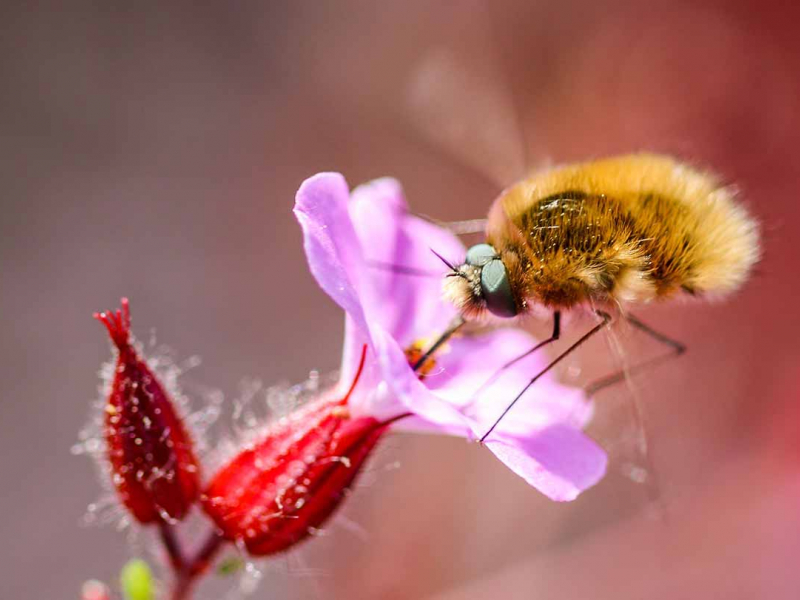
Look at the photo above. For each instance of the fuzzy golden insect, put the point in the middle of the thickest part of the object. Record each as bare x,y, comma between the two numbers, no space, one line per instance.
616,231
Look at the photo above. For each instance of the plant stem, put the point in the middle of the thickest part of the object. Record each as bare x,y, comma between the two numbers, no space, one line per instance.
205,555
187,575
172,546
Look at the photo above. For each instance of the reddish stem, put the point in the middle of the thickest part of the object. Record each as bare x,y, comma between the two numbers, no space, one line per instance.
205,555
186,576
171,545
187,572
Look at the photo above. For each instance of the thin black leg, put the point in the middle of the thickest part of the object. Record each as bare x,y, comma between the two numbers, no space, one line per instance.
556,335
676,349
606,318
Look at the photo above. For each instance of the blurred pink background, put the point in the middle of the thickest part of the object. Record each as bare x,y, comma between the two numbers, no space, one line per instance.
155,152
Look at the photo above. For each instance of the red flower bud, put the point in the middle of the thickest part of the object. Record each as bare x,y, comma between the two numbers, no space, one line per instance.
278,490
150,453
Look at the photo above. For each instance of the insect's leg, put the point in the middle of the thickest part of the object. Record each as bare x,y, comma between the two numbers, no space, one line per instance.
556,335
606,318
454,326
676,348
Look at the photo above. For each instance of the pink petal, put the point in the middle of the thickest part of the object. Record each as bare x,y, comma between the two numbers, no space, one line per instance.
410,390
395,244
467,364
332,248
371,396
559,461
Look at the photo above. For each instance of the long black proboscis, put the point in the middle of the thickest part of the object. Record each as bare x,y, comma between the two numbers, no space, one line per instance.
456,324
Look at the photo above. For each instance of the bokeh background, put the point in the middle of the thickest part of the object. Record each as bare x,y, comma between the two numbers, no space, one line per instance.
154,151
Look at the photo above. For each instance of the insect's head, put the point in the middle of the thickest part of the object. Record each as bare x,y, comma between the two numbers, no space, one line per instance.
482,283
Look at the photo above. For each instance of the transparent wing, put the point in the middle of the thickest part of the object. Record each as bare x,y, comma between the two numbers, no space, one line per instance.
608,366
460,101
621,423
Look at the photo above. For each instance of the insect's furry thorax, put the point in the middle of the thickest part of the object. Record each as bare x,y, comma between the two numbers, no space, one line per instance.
625,229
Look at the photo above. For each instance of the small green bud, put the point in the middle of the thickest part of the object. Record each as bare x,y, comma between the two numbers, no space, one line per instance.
230,565
136,580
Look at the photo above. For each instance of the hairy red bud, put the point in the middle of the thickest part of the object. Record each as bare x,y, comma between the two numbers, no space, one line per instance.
277,491
153,465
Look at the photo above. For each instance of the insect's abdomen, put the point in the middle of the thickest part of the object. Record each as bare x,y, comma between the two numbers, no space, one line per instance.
629,229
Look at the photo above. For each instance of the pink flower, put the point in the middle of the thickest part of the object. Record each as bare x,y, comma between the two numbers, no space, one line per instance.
371,256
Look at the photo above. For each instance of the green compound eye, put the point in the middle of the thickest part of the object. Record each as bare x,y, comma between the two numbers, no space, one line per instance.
480,254
496,288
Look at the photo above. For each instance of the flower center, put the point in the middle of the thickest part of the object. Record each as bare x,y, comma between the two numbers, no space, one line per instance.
414,354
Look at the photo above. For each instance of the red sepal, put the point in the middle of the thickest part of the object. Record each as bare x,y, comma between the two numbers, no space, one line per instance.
153,465
278,491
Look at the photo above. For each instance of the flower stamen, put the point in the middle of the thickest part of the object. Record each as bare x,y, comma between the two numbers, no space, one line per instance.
357,376
423,364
